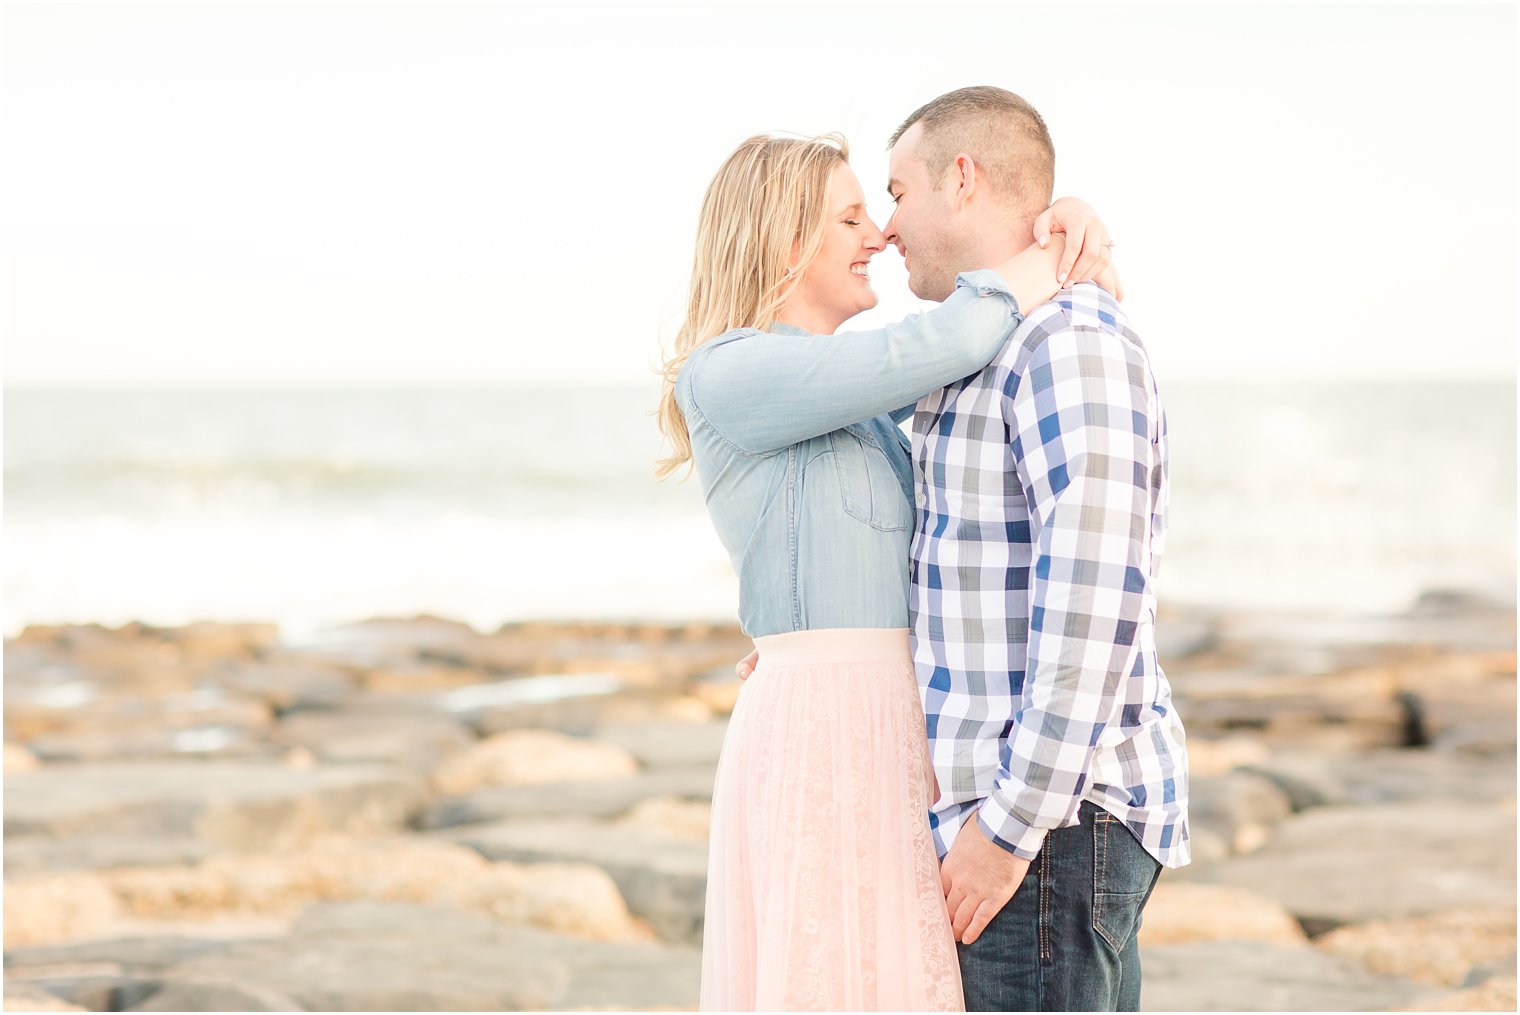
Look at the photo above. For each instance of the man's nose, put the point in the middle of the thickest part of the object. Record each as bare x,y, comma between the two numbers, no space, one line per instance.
889,231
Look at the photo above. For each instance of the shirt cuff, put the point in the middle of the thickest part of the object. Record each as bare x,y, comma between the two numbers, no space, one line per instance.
1008,831
987,282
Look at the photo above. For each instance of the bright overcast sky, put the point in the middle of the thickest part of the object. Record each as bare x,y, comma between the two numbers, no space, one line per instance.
210,193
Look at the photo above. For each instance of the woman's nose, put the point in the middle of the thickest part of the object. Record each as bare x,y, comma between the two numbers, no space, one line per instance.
874,238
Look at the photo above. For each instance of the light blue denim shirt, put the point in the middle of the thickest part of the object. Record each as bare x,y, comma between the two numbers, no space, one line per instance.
806,475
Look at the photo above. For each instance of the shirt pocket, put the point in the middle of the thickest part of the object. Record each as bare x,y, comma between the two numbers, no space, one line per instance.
867,484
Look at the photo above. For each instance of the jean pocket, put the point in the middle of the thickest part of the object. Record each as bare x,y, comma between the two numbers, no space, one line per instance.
1123,876
867,483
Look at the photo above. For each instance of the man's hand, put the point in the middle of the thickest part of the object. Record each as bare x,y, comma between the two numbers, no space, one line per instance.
744,667
979,877
1089,248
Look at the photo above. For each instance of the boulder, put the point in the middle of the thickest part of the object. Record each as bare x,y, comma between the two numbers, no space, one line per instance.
1188,912
1441,949
670,816
59,907
663,878
521,757
1243,809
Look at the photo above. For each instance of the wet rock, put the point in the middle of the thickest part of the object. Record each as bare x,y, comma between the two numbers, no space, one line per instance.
1346,865
1441,949
520,757
230,804
1256,976
596,799
1185,913
663,878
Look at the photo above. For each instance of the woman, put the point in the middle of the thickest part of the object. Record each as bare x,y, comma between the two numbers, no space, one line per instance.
823,883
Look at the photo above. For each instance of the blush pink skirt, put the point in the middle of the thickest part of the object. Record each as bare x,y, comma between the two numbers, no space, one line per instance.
823,887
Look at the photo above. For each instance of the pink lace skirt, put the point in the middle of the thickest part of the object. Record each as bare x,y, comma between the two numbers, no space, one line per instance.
823,888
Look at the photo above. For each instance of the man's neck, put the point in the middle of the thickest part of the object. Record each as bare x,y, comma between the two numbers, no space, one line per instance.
1001,241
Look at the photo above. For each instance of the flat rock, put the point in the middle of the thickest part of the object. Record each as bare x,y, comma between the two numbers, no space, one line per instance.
290,684
602,798
669,745
366,956
421,741
26,997
1339,865
141,955
1181,912
35,854
1254,976
663,878
230,804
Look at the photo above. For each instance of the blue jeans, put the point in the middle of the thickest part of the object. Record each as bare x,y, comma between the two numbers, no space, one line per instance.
1066,941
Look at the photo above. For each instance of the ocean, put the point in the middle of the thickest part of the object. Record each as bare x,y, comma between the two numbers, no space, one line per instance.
311,507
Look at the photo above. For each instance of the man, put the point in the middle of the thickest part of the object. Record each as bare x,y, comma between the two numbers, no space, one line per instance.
1042,493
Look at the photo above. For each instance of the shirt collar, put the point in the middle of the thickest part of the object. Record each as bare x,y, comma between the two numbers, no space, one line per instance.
782,328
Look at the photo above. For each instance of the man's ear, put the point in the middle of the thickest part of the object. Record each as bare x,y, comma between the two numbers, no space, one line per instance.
963,178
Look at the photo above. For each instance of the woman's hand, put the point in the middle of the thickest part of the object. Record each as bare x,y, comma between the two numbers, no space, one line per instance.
1088,245
744,667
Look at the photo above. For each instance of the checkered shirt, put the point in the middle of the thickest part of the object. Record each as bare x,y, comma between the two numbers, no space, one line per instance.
1041,517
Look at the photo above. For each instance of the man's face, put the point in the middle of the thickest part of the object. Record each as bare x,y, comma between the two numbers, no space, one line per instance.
922,225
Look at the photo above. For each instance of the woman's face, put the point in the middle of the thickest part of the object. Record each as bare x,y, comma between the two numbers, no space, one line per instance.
837,285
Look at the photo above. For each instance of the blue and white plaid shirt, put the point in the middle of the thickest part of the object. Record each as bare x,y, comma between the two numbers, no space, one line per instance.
1041,518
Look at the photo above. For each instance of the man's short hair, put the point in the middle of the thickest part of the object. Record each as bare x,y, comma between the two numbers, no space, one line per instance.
1001,132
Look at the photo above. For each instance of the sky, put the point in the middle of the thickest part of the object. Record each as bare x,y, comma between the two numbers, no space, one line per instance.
215,194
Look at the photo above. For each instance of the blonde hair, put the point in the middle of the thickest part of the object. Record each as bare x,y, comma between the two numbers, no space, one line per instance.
768,196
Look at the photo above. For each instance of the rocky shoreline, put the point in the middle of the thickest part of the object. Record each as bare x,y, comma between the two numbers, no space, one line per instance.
408,814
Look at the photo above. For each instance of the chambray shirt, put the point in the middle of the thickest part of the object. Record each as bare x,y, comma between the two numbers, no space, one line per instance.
1041,525
805,473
